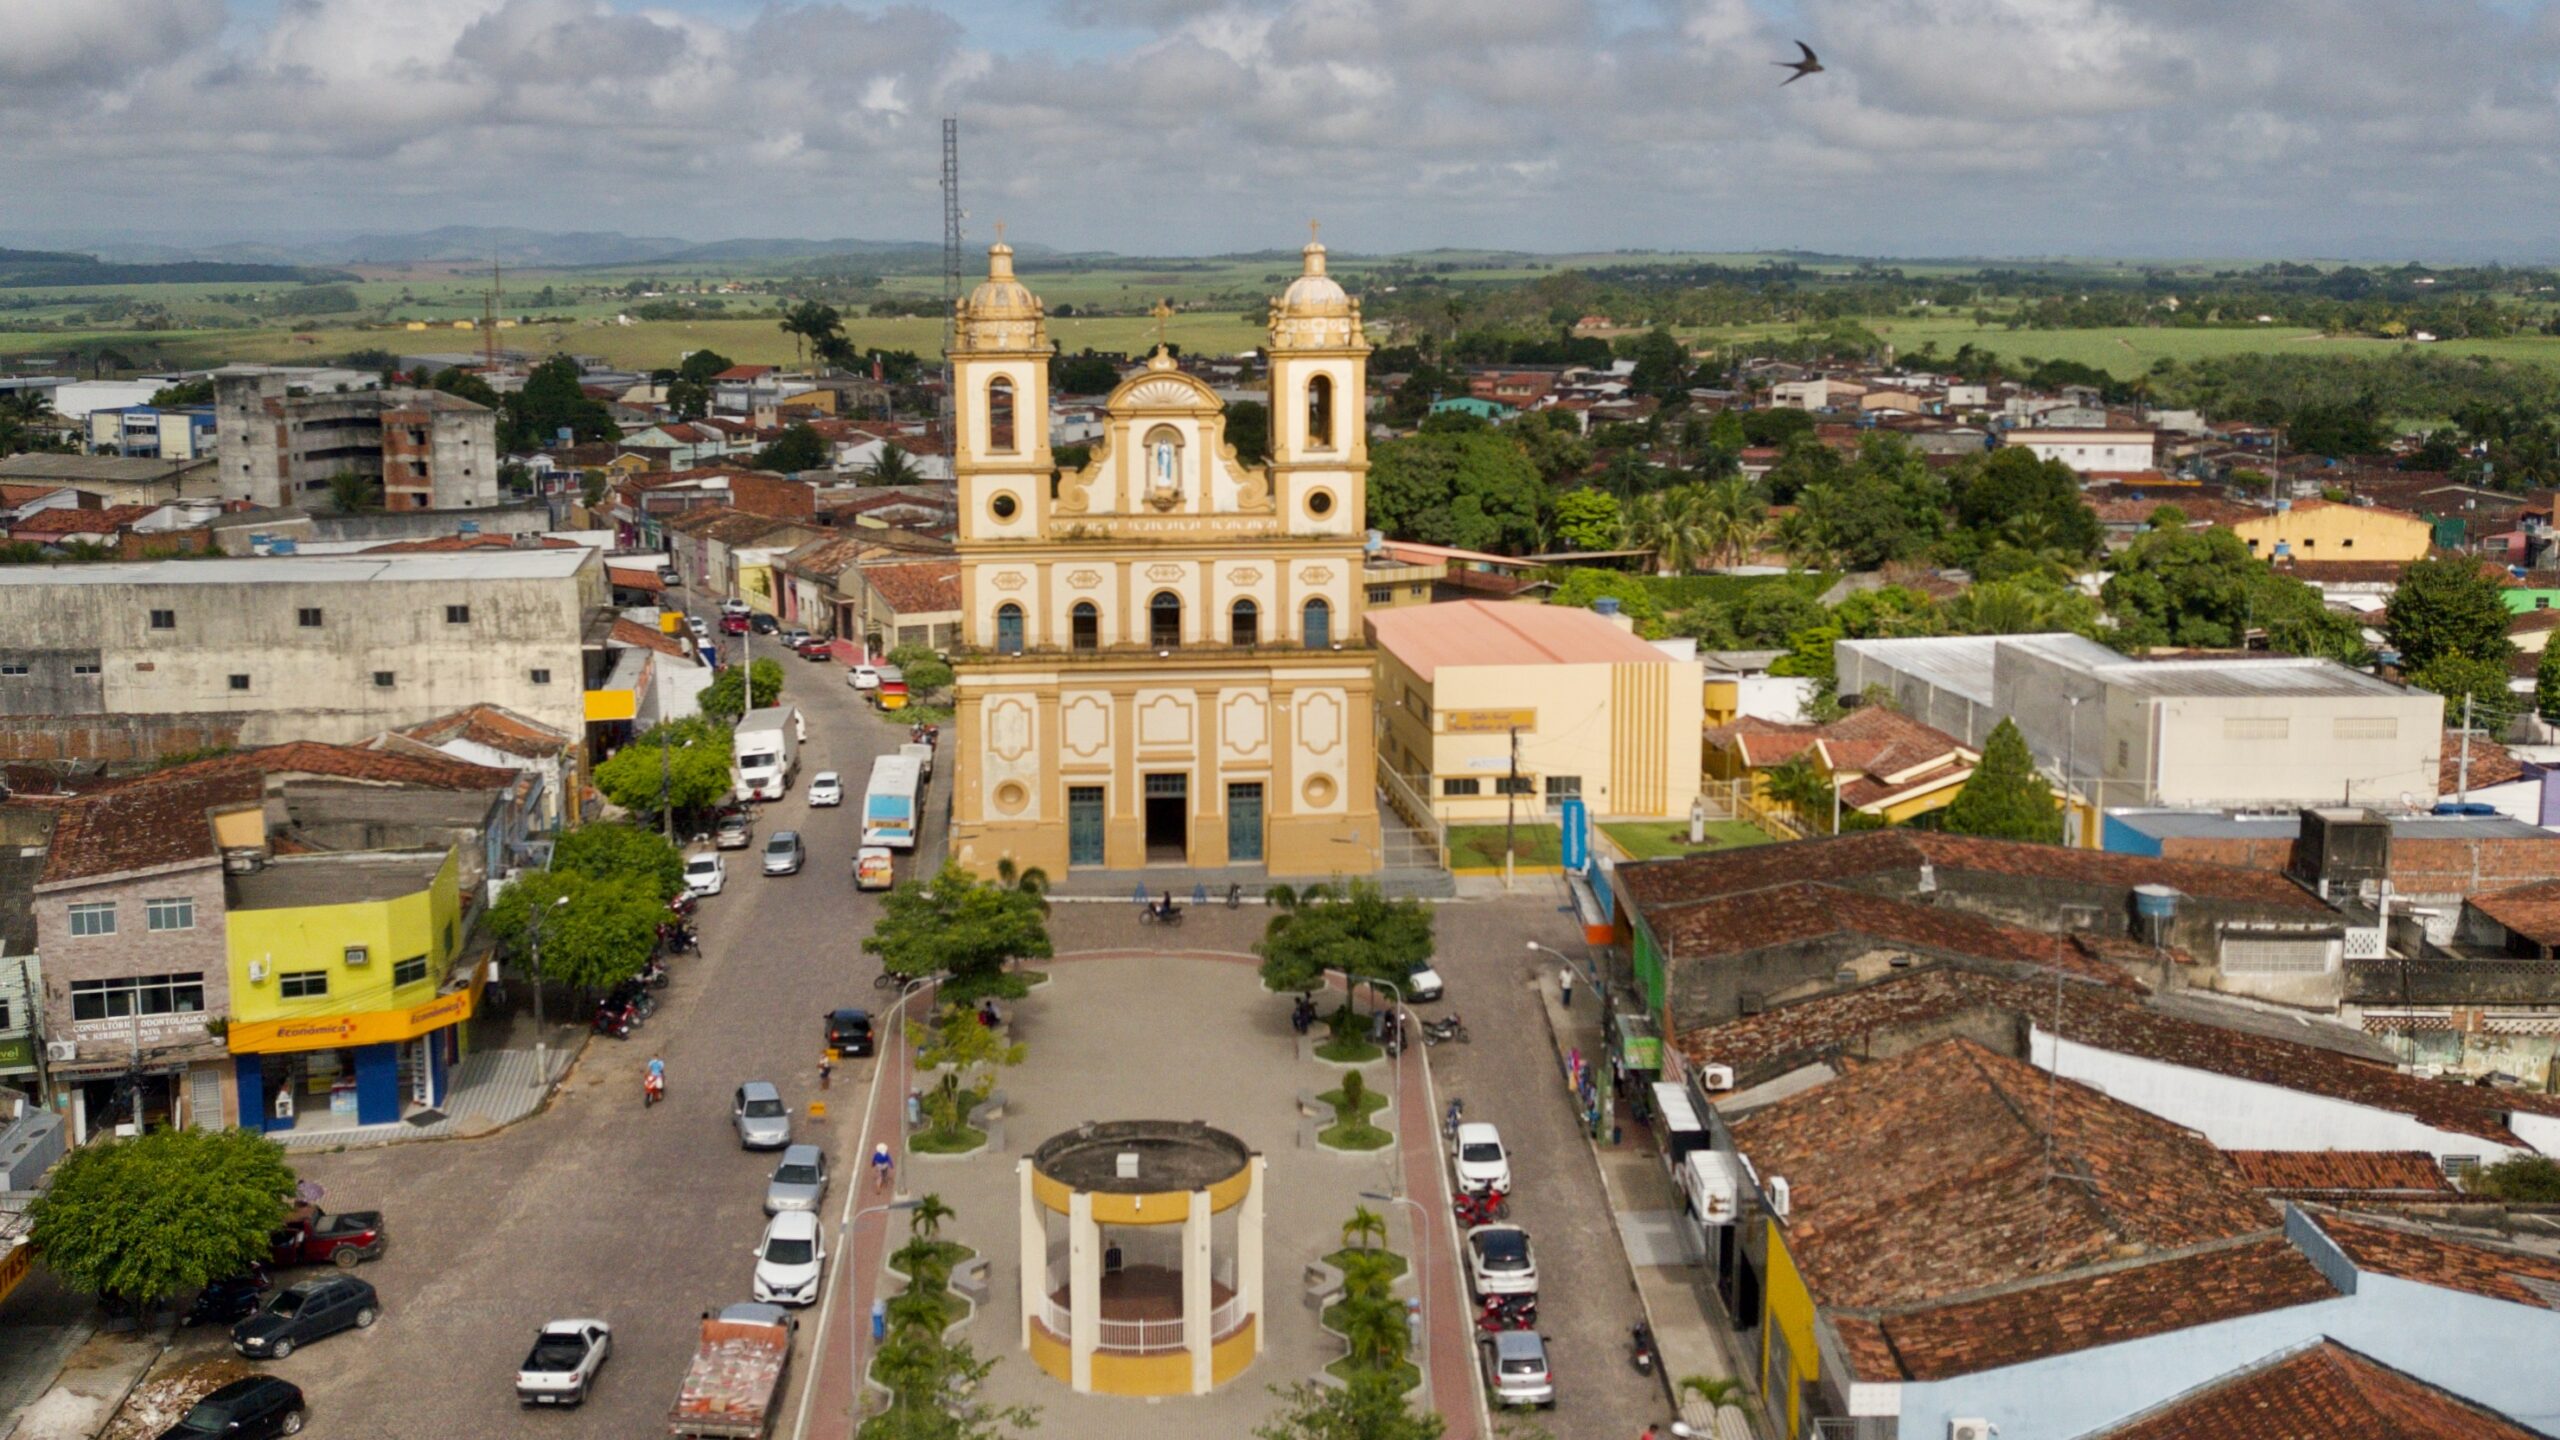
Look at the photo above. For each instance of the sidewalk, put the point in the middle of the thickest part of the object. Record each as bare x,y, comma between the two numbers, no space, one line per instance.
826,1408
92,1386
1688,1330
491,1089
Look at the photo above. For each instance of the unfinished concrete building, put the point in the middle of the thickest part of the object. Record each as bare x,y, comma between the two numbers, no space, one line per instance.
282,443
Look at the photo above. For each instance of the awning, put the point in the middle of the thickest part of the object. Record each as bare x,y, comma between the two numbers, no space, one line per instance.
1673,1101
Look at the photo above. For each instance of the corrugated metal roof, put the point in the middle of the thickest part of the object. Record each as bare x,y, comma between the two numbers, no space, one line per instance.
312,569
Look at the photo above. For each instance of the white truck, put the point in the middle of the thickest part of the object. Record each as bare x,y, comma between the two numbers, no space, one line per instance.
766,752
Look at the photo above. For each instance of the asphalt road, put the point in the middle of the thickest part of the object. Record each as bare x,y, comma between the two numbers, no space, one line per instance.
643,1218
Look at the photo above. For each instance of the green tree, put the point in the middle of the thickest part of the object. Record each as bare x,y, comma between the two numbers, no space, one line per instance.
2546,685
27,423
2445,607
182,395
2521,1179
1889,506
700,365
553,399
1249,431
721,699
464,385
2454,675
1366,1227
1804,787
1554,443
2009,487
1581,586
689,399
139,1220
925,1221
968,1055
2005,798
1662,366
2024,606
1370,1407
1476,491
797,448
617,851
962,928
927,673
690,760
1084,373
1353,930
892,466
1586,520
1768,614
352,491
601,937
812,324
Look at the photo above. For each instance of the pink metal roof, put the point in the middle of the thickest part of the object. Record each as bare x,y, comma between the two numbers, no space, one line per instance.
1504,632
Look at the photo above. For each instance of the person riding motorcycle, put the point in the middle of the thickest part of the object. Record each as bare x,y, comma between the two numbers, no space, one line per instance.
653,1086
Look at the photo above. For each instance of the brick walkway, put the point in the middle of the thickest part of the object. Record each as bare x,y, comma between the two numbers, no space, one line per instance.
826,1408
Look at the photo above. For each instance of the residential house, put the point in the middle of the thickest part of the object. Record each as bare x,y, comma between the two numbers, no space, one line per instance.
497,738
116,479
899,601
2325,530
1875,762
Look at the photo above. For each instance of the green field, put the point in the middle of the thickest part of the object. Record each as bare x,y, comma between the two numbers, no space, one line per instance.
2130,351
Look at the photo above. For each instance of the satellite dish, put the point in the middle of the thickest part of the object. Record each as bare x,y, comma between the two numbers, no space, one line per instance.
2407,802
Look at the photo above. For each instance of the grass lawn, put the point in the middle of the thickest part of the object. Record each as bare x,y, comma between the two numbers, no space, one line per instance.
1348,1049
1337,1258
1480,846
1406,1375
1354,1132
1655,839
932,1142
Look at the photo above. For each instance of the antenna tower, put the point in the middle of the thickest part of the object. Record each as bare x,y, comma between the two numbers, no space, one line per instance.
489,319
950,245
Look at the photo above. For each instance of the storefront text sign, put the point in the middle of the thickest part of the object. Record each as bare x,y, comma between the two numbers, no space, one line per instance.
337,1032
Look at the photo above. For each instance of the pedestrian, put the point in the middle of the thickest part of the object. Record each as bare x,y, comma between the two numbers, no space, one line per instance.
826,1067
880,1166
1647,1435
1564,985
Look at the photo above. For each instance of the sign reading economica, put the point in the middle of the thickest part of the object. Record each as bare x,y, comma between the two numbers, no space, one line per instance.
334,1032
1486,722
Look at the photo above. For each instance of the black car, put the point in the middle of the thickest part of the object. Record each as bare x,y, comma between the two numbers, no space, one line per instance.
763,624
250,1409
849,1031
228,1299
304,1312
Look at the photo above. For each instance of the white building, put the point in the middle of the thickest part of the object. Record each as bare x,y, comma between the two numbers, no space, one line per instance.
2090,450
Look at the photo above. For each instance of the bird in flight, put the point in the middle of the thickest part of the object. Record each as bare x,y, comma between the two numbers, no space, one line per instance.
1806,66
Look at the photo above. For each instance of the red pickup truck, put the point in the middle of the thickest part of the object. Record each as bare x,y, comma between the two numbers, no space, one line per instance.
346,1241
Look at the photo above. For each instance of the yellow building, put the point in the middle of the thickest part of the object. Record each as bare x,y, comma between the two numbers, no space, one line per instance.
1597,712
2326,530
344,1006
1874,761
1162,659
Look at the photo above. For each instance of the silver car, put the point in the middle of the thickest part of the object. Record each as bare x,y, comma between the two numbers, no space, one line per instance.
763,1121
784,854
799,1182
1515,1368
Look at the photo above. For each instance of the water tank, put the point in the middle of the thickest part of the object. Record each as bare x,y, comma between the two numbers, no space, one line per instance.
2155,912
1605,605
280,546
1374,542
470,527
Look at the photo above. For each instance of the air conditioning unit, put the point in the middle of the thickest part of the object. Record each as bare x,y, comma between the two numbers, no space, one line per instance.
1969,1430
359,955
61,1052
1780,1199
257,971
1716,1077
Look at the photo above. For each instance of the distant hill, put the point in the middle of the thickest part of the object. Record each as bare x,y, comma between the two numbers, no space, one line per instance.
29,269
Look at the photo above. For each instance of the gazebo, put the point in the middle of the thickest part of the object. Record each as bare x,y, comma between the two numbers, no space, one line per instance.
1142,1257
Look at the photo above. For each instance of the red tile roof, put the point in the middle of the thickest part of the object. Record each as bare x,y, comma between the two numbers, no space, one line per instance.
2530,911
2102,1305
2324,1391
61,520
2328,1173
2491,764
1951,1168
495,727
144,824
917,587
1792,914
345,762
633,633
444,544
2428,1257
1851,1023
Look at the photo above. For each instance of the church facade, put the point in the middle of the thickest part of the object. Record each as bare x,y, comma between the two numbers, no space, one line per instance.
1163,661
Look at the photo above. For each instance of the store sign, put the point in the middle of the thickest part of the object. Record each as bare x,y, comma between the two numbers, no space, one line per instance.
17,1052
336,1032
1486,722
15,1262
147,1031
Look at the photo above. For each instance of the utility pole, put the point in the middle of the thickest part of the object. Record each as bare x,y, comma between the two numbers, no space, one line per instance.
2462,786
489,318
950,256
1511,809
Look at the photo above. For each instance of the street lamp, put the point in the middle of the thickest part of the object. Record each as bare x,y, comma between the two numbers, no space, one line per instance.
541,1050
1421,1272
859,1323
1396,1176
905,993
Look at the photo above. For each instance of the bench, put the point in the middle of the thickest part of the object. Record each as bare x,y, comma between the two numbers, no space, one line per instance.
1324,1285
969,1278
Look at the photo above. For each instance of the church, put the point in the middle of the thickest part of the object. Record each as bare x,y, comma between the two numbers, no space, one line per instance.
1163,665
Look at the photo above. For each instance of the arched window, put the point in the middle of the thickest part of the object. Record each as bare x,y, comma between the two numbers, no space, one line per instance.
1318,629
1320,413
1086,622
1244,623
1008,629
1000,415
1164,620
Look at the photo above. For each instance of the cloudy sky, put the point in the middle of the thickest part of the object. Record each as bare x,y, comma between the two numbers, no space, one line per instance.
2357,128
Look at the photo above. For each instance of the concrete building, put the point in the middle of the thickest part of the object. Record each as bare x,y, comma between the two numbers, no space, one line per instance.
116,479
2324,530
147,432
127,661
281,442
2202,734
1162,657
1576,704
2089,450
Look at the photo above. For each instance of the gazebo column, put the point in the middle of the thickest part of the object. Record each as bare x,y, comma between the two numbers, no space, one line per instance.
1035,1253
1249,1253
1084,1290
1198,1299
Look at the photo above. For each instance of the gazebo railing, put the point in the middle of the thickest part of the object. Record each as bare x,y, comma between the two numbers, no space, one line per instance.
1141,1337
1225,1319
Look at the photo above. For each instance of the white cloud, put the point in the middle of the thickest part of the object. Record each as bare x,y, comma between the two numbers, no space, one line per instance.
1988,126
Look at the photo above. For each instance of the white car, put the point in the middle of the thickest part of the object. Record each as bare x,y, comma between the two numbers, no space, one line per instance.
705,876
700,630
1422,985
563,1365
733,606
863,677
790,1259
1480,1160
826,788
1499,1262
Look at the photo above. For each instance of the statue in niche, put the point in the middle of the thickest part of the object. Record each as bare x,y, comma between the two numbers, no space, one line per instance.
1164,469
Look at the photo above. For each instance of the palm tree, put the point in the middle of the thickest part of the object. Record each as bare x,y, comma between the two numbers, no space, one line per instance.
1368,1274
1030,880
1676,525
918,1312
1375,1329
1717,1394
1364,1227
925,1221
1735,520
892,466
1805,546
1803,787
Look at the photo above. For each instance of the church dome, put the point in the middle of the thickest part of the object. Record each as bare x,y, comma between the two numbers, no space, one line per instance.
1000,296
1315,292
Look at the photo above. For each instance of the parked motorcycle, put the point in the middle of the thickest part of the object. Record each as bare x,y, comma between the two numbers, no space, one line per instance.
1640,1350
614,1020
684,903
1480,1207
1451,1027
1508,1312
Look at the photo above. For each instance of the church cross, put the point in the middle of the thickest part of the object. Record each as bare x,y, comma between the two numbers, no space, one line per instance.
1162,312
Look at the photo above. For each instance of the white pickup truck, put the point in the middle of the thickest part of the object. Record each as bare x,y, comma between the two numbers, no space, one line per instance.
563,1365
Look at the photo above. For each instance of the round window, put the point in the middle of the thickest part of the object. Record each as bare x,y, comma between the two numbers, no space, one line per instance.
1320,502
1004,506
1318,791
1011,797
